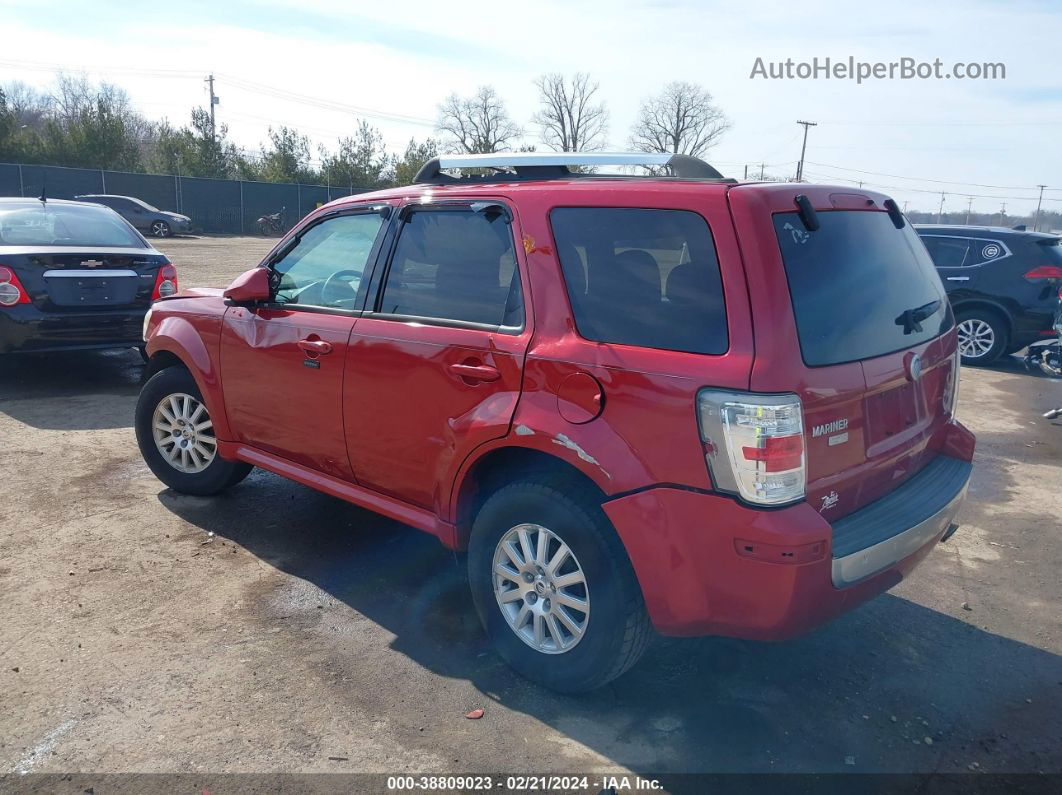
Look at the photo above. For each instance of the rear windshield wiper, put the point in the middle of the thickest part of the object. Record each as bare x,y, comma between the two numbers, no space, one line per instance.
911,319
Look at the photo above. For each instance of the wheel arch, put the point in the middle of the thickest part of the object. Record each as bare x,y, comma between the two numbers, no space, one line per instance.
985,304
175,342
502,465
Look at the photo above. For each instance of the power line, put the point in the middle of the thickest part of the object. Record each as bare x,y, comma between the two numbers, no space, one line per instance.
943,123
927,179
828,177
238,82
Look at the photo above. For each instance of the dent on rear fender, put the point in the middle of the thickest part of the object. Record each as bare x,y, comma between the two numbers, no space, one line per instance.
594,448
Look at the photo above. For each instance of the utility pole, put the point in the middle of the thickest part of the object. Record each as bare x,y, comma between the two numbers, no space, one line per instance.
940,212
1002,213
803,148
213,101
905,207
1036,223
762,167
969,206
746,172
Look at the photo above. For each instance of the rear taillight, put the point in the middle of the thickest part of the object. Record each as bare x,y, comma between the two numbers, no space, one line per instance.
165,283
1043,273
951,386
11,290
754,445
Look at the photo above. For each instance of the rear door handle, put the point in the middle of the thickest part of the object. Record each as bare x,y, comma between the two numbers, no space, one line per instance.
476,372
958,278
315,347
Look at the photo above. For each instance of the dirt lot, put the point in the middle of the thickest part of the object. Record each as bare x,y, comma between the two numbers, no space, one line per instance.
277,629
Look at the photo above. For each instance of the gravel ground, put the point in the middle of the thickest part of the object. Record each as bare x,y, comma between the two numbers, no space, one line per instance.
276,629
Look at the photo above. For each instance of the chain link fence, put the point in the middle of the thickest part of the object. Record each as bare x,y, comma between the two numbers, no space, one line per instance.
219,206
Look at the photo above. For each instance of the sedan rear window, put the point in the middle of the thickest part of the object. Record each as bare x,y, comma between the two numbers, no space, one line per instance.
860,287
45,224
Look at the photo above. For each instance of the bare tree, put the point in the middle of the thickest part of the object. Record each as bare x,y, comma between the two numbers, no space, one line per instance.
570,119
477,124
681,119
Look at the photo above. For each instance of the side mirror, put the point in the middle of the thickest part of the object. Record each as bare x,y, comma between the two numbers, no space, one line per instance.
249,287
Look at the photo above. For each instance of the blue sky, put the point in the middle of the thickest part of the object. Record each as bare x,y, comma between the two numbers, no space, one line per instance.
403,58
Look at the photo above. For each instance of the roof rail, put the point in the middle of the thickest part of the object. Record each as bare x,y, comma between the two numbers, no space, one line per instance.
555,165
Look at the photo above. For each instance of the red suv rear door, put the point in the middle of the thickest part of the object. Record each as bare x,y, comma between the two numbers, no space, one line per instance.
852,316
435,364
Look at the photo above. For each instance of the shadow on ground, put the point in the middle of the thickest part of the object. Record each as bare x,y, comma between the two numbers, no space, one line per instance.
75,390
892,687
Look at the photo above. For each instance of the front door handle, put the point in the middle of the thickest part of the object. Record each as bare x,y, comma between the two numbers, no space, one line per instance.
315,347
476,372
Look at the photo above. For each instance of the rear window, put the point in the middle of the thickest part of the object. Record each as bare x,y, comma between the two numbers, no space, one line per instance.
1053,249
860,286
642,277
65,225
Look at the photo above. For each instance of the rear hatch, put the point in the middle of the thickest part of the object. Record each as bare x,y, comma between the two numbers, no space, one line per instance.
853,317
75,257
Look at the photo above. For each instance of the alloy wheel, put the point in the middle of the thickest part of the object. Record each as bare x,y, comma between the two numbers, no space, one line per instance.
541,589
976,338
184,433
160,229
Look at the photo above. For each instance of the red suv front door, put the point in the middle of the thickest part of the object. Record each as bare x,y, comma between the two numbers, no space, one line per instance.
282,364
434,369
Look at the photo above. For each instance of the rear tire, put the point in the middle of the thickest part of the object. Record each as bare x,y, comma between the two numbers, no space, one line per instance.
551,629
983,335
160,229
175,436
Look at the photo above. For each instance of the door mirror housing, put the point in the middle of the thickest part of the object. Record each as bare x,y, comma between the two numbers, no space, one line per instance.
250,287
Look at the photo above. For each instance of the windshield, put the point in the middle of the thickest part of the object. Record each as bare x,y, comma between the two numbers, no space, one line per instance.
41,224
860,287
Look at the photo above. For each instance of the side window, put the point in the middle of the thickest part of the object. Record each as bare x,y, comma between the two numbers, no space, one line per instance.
642,277
327,264
948,252
982,251
455,265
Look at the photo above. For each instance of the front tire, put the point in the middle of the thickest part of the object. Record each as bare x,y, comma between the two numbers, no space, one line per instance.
983,335
160,229
176,436
553,586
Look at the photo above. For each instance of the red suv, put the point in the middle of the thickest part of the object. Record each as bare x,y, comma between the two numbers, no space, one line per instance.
671,402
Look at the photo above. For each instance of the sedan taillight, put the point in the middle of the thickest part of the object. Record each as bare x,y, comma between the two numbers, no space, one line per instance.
754,445
11,290
165,283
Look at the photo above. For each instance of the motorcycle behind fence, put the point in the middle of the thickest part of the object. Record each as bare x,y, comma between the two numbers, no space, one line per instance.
272,224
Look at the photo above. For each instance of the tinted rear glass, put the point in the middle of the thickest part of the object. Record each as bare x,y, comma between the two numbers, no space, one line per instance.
642,277
1053,249
65,225
860,286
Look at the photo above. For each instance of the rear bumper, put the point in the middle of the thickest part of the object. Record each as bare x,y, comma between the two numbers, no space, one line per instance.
710,565
26,329
900,523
